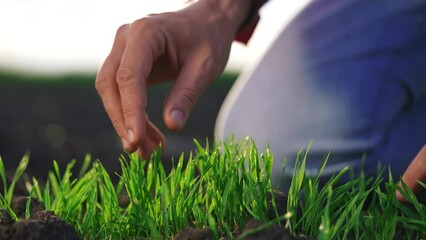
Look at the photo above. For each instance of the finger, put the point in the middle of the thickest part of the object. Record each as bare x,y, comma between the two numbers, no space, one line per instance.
107,87
142,49
155,136
151,143
182,97
416,171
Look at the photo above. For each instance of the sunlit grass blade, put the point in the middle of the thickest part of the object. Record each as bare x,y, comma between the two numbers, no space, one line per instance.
3,177
18,173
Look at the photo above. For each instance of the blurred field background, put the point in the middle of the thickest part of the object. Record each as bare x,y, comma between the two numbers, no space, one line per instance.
50,52
63,118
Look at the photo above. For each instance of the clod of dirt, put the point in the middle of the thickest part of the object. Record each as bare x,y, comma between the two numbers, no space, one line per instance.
40,225
19,205
5,218
272,232
280,203
194,234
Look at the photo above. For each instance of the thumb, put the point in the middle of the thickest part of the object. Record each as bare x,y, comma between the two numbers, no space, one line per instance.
182,97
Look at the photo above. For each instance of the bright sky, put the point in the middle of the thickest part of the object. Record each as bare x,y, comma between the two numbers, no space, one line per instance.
51,36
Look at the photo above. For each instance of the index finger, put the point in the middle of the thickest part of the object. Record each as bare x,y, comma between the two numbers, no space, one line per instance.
143,47
106,83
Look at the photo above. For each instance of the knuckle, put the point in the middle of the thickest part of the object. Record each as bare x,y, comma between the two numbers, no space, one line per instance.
125,76
122,30
141,24
116,123
150,24
102,83
138,23
190,95
128,113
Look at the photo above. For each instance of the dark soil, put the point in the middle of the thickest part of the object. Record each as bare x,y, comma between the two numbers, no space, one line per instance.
278,232
41,224
272,232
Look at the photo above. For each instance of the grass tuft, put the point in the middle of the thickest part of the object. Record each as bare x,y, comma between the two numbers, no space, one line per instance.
221,186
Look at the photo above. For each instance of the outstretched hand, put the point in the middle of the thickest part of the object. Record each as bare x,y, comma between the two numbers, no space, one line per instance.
190,46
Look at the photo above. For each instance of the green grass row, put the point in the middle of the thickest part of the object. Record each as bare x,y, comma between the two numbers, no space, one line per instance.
221,186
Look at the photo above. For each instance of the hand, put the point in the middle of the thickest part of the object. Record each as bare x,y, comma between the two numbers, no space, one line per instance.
190,46
416,171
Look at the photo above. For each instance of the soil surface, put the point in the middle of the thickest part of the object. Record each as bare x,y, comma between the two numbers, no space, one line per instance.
276,231
41,224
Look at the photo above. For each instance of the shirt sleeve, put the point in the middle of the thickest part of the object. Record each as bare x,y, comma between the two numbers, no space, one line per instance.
246,31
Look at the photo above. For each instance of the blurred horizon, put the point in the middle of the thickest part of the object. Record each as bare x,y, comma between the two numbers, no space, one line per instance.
55,37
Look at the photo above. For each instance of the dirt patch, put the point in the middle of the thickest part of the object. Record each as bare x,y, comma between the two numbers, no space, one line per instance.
253,229
41,224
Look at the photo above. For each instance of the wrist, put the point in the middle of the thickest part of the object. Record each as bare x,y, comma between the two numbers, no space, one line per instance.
228,15
237,11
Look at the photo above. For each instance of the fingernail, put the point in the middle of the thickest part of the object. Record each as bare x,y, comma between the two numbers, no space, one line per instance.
178,117
125,143
399,196
131,135
130,139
